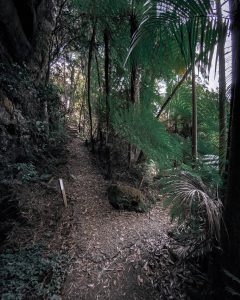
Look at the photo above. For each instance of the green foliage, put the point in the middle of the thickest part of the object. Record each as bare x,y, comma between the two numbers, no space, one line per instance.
209,174
57,140
198,210
138,125
192,196
56,114
180,115
189,28
16,80
29,274
26,171
56,111
29,100
190,199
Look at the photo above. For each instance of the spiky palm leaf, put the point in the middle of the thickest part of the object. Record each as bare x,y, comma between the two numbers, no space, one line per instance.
190,198
189,26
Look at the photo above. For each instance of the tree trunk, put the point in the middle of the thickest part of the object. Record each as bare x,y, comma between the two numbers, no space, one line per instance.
107,91
46,118
106,68
90,54
72,89
80,117
98,72
231,243
99,130
222,91
168,99
133,154
64,85
194,115
134,69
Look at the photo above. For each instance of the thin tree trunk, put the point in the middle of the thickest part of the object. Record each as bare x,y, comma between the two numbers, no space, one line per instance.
99,130
64,89
194,115
80,117
82,108
46,118
64,84
135,83
231,243
46,114
72,89
90,54
107,91
107,88
222,91
135,87
48,68
98,72
179,84
168,99
134,68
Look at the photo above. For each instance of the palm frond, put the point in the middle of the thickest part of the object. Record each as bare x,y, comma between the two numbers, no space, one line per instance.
190,198
139,127
191,25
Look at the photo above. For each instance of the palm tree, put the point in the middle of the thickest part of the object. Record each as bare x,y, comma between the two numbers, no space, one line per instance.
190,32
173,18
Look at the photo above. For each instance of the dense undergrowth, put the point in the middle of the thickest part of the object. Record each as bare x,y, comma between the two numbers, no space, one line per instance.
30,273
31,150
134,75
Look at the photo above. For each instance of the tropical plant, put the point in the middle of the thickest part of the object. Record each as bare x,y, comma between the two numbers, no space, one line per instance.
138,125
194,35
192,200
196,207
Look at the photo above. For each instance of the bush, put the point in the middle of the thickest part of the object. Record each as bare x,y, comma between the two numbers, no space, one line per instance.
29,274
26,171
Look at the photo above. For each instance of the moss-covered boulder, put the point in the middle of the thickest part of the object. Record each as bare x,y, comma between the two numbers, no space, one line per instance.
125,197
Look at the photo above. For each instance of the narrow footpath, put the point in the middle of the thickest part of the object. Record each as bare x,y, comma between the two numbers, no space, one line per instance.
113,252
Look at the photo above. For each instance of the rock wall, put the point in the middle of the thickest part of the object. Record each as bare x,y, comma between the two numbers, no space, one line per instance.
25,30
25,33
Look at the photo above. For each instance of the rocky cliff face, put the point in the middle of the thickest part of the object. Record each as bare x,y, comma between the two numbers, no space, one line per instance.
25,32
25,29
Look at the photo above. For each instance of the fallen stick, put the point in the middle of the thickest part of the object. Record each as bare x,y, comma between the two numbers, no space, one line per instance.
63,192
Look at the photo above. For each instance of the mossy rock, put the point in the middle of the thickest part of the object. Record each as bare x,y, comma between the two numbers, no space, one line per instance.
125,197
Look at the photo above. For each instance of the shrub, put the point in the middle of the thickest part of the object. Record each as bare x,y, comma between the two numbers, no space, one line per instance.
29,274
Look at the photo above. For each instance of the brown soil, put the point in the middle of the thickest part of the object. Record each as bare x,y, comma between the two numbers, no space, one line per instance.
113,249
114,254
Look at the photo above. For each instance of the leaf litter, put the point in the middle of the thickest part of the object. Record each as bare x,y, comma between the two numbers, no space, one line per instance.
113,254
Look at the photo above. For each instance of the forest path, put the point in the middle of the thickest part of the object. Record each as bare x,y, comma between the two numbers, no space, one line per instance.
113,250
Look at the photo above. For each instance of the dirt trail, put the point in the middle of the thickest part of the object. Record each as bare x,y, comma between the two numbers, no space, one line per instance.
112,249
